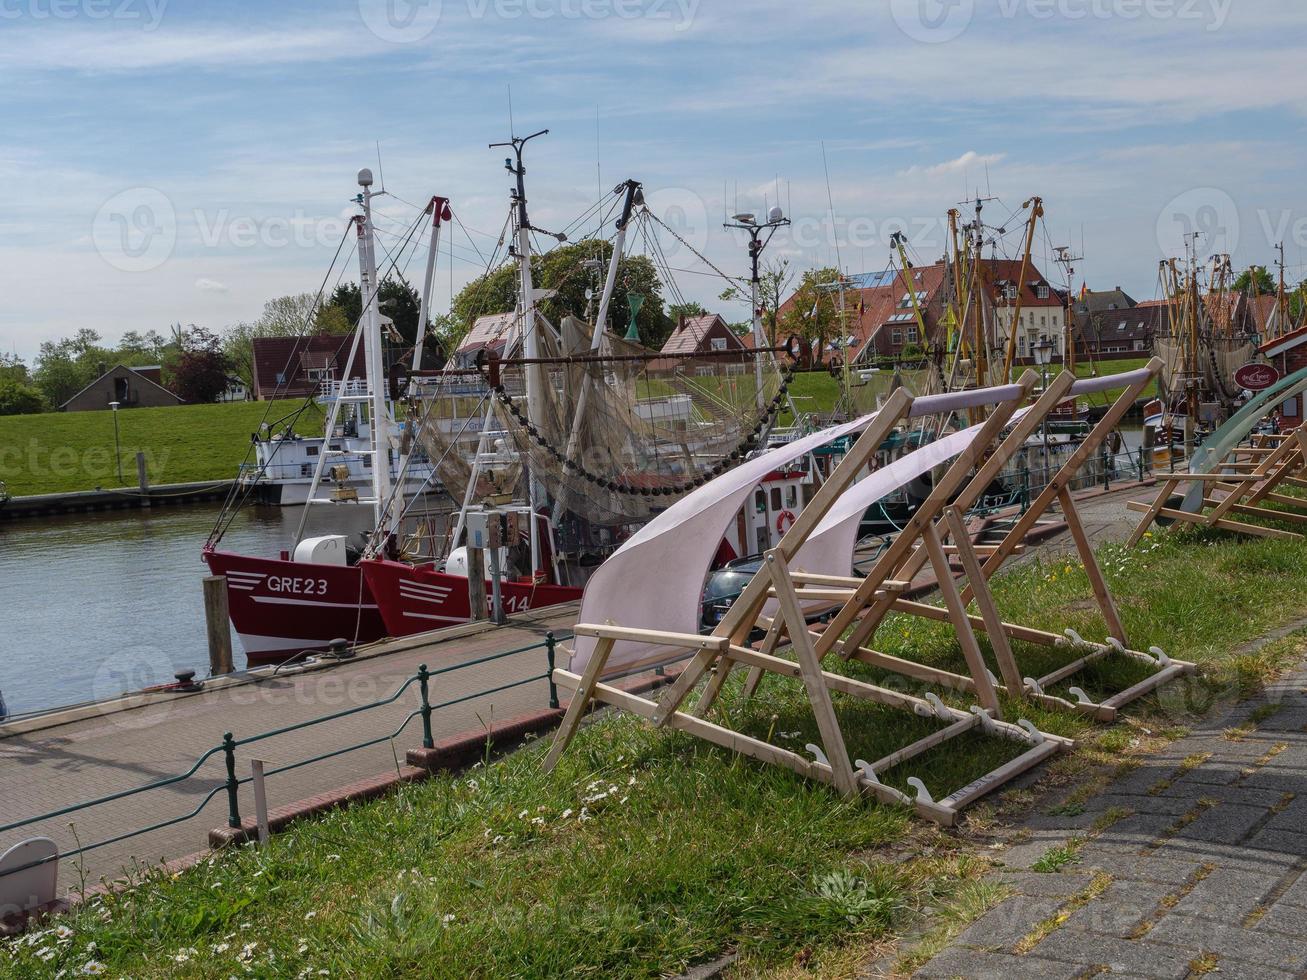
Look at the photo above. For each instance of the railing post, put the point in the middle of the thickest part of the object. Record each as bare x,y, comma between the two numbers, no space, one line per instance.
233,787
423,677
1141,464
1025,487
550,642
1107,462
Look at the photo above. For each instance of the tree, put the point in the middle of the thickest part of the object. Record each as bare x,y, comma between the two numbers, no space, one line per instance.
687,309
1264,280
814,310
198,372
565,270
284,316
17,398
774,278
64,367
13,369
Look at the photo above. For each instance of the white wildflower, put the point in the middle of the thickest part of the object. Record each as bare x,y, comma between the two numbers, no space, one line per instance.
312,914
220,948
63,932
93,968
522,815
333,857
302,948
447,918
566,813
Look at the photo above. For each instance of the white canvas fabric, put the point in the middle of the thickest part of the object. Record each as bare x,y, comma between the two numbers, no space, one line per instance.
655,580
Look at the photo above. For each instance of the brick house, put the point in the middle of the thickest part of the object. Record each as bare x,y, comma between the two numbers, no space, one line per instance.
294,367
139,387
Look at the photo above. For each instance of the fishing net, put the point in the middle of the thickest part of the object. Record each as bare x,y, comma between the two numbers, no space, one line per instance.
616,434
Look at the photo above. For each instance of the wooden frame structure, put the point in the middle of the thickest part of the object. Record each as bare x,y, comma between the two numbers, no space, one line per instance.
978,573
791,588
1253,476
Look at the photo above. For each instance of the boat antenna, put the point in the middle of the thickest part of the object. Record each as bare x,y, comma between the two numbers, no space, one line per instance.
511,134
381,174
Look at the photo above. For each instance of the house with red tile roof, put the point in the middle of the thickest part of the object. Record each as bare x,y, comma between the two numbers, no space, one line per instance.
294,367
698,334
1289,355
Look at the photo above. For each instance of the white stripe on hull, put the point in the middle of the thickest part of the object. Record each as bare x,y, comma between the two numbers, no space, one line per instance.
255,643
275,601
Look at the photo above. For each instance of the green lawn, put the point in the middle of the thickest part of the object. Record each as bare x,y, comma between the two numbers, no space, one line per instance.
646,851
63,451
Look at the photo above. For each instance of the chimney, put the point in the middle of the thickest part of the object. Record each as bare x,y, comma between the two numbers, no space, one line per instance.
103,368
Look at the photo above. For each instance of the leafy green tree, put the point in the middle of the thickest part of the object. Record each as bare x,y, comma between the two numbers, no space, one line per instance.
284,316
687,309
64,367
570,270
1264,280
814,311
17,398
13,369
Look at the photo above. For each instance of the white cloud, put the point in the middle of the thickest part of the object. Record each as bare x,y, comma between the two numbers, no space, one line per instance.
962,165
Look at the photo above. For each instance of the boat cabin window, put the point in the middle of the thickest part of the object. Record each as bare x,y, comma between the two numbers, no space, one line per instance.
311,450
776,498
760,502
791,497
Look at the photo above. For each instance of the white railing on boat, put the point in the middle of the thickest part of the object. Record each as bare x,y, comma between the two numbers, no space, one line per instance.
351,388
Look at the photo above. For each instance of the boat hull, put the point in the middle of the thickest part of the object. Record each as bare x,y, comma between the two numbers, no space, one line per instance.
281,608
414,599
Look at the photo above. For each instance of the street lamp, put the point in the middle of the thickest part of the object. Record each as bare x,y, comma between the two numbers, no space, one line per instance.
117,451
748,222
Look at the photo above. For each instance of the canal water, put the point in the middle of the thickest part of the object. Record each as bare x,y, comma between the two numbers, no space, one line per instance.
98,604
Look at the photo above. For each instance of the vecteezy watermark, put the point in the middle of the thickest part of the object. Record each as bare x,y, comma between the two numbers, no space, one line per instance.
149,13
125,674
1205,218
137,230
685,213
938,21
411,21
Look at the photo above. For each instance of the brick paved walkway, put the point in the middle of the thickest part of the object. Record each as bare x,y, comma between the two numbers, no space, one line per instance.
1193,863
45,770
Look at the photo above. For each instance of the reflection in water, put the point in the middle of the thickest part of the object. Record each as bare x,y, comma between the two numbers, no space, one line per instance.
95,605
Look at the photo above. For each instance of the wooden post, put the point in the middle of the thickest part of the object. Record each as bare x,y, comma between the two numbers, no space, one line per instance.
215,618
476,582
142,475
998,637
260,799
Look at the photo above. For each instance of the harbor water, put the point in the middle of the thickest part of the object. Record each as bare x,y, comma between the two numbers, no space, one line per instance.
99,604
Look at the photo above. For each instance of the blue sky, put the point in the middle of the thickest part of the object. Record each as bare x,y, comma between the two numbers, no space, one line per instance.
243,125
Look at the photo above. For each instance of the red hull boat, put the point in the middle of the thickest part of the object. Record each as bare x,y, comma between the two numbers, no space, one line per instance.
282,608
417,598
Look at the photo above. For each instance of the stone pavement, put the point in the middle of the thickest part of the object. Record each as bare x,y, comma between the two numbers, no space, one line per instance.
1191,864
55,767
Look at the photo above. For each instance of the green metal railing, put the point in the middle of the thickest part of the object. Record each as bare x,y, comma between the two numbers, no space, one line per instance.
230,744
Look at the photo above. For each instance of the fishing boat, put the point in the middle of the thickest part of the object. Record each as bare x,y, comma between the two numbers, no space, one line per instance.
578,435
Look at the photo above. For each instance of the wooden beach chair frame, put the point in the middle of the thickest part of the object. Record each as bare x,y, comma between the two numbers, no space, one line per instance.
728,646
978,574
1259,473
917,545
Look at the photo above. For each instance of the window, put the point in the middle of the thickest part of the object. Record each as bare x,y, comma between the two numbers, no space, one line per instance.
281,377
912,335
776,498
719,343
1043,321
1021,344
896,337
311,450
319,374
1042,290
792,497
1010,291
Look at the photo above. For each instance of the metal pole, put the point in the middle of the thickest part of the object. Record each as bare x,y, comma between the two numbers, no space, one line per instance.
233,787
550,644
117,448
423,678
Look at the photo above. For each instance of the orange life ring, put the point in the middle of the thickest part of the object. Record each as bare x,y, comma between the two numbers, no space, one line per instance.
784,521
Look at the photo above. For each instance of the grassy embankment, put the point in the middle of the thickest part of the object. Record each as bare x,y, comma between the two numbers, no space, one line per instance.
63,451
60,452
647,851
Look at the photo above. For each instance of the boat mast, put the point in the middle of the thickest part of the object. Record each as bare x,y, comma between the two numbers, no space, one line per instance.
527,307
379,426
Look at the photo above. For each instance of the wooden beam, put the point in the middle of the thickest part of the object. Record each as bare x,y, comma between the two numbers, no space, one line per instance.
580,698
1102,593
979,587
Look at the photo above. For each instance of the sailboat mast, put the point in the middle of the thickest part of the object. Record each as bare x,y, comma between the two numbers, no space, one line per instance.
374,354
